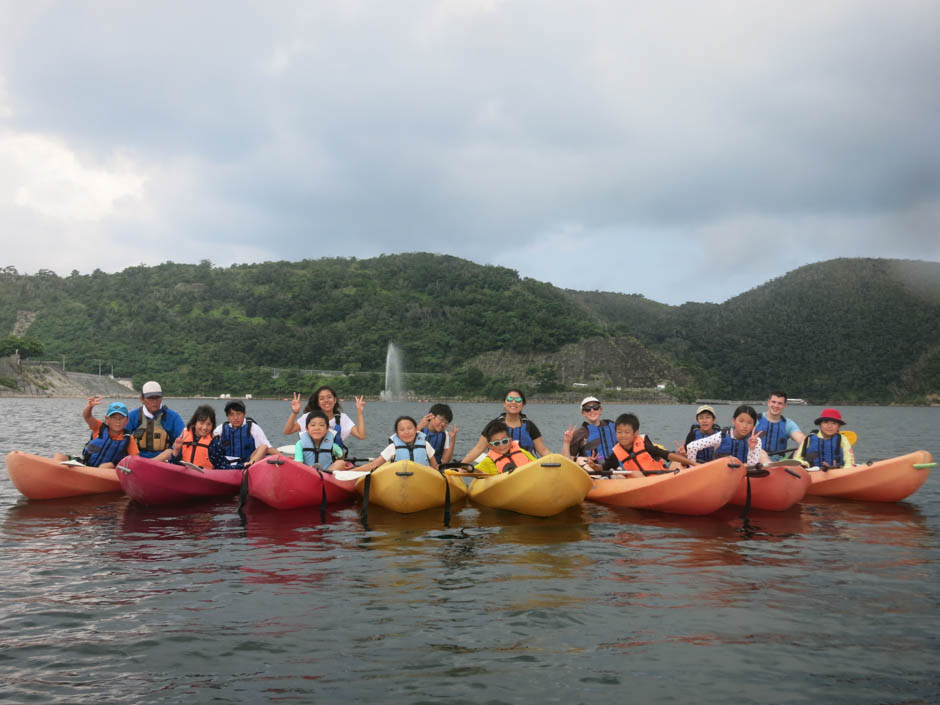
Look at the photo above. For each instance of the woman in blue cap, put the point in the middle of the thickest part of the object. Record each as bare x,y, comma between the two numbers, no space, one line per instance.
109,442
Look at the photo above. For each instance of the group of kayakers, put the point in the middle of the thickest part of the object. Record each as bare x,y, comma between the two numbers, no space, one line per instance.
508,441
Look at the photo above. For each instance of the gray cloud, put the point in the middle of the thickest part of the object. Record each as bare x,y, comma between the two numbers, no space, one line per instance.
719,146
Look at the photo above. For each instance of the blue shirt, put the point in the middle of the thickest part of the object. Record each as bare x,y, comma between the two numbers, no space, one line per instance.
172,422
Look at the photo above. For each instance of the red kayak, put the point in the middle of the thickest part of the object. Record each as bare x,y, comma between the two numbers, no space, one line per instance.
153,482
780,489
44,478
283,483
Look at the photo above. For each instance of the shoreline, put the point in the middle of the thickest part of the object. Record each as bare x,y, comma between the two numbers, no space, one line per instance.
478,400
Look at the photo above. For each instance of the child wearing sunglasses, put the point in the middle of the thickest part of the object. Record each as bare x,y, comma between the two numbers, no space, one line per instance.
520,428
503,453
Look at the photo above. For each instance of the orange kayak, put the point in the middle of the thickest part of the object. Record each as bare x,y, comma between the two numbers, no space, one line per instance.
44,478
696,490
778,491
888,480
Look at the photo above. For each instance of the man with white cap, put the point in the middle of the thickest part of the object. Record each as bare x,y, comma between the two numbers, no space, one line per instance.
595,438
154,425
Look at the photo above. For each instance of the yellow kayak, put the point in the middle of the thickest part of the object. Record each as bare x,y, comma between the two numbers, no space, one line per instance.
405,487
542,488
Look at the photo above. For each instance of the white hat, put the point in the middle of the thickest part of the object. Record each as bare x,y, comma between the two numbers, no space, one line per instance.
151,389
588,400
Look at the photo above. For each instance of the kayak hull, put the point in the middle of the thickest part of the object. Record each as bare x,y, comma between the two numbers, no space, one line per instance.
542,488
406,487
151,481
692,491
777,492
44,478
283,483
888,480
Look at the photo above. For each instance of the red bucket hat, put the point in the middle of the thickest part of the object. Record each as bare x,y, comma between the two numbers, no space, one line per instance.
830,415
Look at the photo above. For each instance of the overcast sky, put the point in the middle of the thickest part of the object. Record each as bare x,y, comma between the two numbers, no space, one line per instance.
686,151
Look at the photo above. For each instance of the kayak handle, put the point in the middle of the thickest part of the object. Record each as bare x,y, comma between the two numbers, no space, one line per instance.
276,460
921,466
551,465
795,474
405,473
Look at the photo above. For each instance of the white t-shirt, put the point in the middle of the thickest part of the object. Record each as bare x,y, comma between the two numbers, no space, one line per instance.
256,433
346,424
389,451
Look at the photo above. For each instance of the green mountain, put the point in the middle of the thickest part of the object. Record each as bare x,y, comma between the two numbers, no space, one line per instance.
848,329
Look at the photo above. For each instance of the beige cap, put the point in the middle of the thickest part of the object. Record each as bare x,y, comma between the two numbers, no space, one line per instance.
706,407
588,400
151,389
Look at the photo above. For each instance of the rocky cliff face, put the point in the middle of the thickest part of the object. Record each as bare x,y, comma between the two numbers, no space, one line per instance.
597,362
22,379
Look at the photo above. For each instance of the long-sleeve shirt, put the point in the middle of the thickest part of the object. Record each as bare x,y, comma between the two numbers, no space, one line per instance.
714,440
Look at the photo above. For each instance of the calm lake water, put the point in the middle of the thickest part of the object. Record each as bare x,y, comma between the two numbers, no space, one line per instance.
105,601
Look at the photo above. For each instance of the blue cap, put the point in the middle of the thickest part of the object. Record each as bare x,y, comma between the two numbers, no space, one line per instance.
116,407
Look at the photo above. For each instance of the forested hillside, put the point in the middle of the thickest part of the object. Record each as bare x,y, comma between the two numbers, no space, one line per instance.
848,329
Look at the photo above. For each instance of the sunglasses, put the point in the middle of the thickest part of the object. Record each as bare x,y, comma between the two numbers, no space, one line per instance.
501,442
590,407
518,400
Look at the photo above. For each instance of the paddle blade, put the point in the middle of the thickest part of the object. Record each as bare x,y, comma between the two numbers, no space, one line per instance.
851,436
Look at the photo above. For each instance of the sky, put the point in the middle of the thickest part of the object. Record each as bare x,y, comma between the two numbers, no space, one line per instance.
685,151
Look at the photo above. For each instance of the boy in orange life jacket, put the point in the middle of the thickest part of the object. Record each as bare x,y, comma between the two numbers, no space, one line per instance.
502,453
635,451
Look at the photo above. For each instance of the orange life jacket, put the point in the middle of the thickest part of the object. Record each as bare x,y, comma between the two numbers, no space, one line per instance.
511,459
638,458
196,452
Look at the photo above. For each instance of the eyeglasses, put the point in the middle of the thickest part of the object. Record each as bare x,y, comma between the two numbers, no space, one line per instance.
518,400
501,442
590,407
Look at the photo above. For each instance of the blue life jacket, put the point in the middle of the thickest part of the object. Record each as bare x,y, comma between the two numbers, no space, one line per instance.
732,446
818,450
436,439
521,434
237,442
695,433
338,431
775,436
101,448
416,451
601,438
312,451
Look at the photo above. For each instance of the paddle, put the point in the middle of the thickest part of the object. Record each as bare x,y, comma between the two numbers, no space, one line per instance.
74,463
187,464
850,436
478,473
456,464
350,474
243,497
786,462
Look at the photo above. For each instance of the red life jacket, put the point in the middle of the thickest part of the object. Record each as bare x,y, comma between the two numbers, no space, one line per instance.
511,459
638,458
196,452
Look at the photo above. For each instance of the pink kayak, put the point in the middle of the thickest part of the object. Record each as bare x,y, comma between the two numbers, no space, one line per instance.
283,483
44,478
152,482
777,491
